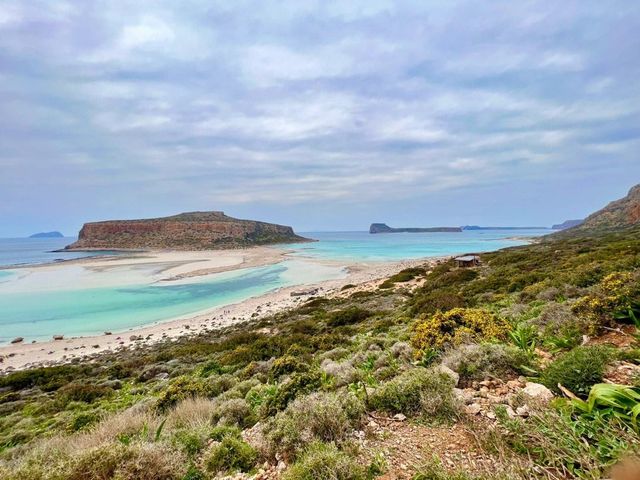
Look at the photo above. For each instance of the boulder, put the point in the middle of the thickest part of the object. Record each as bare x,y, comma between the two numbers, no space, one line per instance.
538,391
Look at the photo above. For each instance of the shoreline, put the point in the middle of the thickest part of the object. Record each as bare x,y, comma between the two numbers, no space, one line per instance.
364,276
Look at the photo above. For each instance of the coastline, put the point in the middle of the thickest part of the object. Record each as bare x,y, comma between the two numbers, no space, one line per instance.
177,265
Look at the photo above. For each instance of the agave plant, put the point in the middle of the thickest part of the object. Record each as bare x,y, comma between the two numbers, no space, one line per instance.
621,401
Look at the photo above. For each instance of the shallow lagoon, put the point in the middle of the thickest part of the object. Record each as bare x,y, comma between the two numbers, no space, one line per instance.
37,315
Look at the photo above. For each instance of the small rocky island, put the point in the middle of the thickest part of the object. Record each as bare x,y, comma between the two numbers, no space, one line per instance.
384,228
186,231
47,235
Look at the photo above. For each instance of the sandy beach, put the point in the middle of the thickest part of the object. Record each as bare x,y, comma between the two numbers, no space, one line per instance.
174,266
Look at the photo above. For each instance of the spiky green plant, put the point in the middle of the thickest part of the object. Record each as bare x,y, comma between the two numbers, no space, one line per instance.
620,401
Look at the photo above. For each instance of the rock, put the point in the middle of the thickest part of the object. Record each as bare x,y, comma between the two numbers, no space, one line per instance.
107,333
58,337
447,371
523,411
186,231
400,417
491,415
473,409
17,340
537,391
510,412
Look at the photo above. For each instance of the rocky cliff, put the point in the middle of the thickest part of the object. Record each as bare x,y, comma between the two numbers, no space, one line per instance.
384,228
618,214
567,224
186,231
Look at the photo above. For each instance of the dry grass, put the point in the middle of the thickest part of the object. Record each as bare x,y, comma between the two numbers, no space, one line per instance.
192,413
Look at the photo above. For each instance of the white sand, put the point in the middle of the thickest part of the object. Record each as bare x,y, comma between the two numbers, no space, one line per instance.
171,266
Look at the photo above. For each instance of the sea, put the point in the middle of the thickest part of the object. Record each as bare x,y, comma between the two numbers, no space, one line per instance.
36,305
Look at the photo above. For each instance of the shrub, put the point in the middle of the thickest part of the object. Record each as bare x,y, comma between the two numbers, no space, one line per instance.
134,462
234,412
231,454
297,384
75,392
219,433
325,461
328,417
614,293
402,276
286,365
477,362
348,316
191,441
417,392
577,370
455,326
433,301
343,373
180,389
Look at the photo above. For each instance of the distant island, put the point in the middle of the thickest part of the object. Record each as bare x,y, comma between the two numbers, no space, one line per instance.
476,227
186,231
567,224
47,235
384,228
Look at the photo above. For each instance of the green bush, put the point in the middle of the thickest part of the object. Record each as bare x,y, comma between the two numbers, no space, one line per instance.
230,455
75,392
322,461
329,417
297,384
180,389
577,370
418,391
191,442
286,365
234,412
348,316
477,362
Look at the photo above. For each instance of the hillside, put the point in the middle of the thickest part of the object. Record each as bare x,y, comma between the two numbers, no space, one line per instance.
617,214
186,231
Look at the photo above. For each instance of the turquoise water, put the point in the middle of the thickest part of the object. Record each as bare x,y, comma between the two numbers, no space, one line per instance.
31,251
39,309
39,315
363,246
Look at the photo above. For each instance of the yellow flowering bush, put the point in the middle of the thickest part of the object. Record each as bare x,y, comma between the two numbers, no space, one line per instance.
610,295
456,326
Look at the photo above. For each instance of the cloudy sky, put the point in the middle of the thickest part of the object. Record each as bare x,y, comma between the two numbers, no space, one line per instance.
320,115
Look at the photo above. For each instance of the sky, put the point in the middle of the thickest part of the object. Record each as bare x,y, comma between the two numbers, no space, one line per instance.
317,114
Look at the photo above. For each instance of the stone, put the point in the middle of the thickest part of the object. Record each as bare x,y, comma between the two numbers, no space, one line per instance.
522,411
510,412
537,391
400,417
58,337
17,340
473,409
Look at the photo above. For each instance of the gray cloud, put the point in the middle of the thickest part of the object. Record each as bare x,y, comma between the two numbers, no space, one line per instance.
285,108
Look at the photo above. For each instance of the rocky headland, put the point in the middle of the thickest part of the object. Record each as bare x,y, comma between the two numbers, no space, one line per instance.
384,228
186,231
